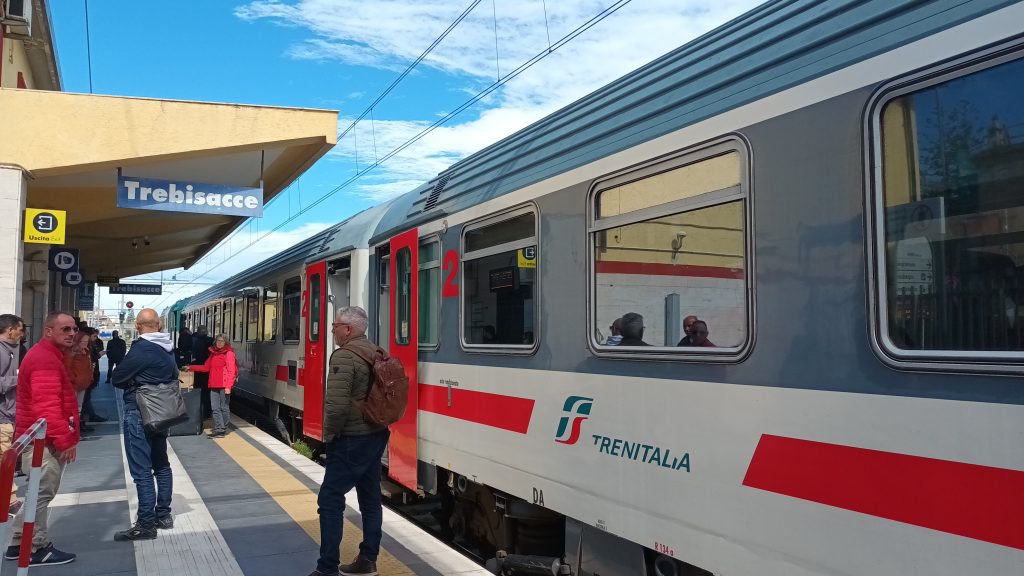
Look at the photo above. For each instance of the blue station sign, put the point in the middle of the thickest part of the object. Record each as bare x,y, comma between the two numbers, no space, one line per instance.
150,289
182,196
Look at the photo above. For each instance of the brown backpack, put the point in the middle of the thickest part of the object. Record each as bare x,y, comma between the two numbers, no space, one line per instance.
389,388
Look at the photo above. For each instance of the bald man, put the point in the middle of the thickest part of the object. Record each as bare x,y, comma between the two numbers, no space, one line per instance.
148,363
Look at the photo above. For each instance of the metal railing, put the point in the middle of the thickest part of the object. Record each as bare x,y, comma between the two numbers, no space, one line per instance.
36,437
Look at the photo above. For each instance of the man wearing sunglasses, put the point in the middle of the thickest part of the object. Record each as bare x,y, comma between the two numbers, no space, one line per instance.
45,391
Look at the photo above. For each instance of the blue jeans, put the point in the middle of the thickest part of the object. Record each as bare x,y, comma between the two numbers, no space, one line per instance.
352,461
147,458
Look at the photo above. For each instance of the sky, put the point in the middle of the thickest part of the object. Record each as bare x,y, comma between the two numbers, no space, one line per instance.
342,55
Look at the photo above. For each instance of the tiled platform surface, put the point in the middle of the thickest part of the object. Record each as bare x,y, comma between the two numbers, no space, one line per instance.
244,505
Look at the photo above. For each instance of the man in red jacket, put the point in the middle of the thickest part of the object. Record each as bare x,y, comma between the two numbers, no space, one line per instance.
45,391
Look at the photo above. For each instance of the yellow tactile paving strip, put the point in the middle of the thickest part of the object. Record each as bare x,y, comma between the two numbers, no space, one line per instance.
299,502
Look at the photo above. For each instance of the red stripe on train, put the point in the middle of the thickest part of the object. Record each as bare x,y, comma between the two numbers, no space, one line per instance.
979,502
496,410
653,269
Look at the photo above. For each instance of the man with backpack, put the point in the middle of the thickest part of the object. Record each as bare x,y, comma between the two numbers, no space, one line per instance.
354,447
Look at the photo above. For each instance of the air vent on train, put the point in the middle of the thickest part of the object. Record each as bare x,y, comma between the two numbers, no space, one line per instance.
436,193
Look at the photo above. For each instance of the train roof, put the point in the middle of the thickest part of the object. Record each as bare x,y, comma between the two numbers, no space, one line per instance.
775,46
353,232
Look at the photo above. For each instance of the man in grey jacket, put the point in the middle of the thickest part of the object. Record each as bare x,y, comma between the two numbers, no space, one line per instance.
12,330
354,449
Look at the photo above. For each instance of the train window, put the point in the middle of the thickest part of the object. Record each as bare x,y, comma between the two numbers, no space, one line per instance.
215,327
499,272
403,298
429,292
239,322
315,311
225,318
252,316
950,216
270,313
291,309
669,249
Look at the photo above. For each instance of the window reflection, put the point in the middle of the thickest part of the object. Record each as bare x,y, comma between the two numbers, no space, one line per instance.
953,165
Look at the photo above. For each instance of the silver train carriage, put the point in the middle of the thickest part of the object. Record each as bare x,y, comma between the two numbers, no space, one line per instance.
830,196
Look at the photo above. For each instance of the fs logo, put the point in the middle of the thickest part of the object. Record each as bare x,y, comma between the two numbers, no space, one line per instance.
576,410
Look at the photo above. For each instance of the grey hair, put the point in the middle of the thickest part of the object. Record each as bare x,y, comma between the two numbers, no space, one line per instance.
354,316
223,337
633,325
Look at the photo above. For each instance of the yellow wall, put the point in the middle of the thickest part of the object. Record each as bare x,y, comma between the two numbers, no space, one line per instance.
52,133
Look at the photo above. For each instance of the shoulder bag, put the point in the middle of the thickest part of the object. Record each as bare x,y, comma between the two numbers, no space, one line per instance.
161,406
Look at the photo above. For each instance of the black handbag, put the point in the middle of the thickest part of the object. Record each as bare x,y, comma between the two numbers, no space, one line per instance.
161,406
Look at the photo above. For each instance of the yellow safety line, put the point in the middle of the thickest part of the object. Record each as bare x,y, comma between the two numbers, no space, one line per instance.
300,502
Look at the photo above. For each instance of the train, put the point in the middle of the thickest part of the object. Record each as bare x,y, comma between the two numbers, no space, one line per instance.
756,307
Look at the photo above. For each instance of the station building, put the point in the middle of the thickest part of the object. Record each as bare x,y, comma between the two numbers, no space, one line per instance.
63,152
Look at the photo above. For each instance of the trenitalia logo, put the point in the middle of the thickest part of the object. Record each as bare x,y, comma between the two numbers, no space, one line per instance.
576,410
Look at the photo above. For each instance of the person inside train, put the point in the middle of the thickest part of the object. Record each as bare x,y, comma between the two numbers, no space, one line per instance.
616,338
632,330
688,323
699,337
490,336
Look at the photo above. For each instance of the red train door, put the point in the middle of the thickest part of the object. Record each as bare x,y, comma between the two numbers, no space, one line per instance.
404,345
311,377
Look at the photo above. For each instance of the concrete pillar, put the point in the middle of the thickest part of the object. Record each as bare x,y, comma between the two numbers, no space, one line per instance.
13,190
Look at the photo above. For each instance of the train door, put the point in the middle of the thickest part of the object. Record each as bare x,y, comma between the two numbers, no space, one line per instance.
338,297
403,344
311,377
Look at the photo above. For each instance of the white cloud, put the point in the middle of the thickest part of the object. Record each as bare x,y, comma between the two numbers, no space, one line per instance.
223,262
389,34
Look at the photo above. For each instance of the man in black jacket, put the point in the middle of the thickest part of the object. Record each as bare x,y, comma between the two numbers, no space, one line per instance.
116,350
150,362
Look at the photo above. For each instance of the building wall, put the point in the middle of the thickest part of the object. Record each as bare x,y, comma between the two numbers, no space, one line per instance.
15,63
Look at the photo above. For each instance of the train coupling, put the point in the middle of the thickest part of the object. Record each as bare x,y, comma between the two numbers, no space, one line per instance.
505,564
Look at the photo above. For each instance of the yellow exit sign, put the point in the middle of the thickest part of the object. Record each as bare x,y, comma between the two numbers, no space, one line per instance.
44,226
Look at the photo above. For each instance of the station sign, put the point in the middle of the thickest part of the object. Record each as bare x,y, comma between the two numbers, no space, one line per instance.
72,279
527,257
149,289
87,296
63,259
45,226
192,197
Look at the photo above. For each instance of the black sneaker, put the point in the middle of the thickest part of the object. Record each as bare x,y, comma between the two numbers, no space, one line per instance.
359,567
12,553
165,523
50,556
136,532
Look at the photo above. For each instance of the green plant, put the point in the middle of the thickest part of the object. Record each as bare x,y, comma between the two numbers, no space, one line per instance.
302,448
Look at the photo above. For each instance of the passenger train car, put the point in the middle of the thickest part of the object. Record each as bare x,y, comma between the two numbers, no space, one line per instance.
834,188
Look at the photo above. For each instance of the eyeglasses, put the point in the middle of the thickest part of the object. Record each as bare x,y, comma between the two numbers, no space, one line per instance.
336,324
68,329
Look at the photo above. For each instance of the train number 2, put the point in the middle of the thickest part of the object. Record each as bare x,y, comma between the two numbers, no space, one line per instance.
451,268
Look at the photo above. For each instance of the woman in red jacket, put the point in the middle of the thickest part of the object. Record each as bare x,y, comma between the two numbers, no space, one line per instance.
223,368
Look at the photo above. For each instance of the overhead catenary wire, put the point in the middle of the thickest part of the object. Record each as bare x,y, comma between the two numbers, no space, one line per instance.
606,12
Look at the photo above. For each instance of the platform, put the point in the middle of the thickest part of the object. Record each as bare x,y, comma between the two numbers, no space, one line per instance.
244,505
